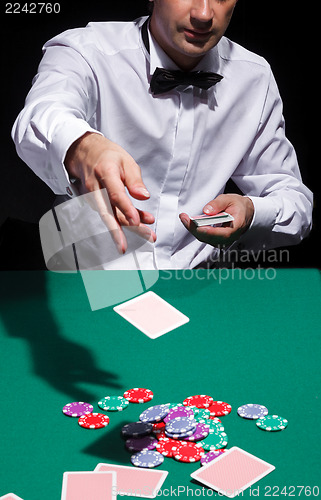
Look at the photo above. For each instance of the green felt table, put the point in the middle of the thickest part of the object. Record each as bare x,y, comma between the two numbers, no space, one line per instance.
251,338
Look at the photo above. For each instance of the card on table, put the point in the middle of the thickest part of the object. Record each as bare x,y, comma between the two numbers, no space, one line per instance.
151,314
232,472
89,486
10,496
209,220
135,481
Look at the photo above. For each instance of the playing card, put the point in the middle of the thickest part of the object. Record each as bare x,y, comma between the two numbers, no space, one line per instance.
232,472
89,486
209,220
151,314
10,496
134,481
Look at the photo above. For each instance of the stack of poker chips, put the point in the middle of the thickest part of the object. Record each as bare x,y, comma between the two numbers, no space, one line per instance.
182,431
189,432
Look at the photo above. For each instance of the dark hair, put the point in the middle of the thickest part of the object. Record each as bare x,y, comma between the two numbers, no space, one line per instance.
150,7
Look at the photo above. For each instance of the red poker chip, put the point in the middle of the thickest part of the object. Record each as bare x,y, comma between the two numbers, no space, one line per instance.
219,409
211,417
159,427
200,401
188,452
160,435
166,445
93,421
138,395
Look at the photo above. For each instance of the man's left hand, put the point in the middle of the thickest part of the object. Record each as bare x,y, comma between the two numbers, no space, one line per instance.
240,207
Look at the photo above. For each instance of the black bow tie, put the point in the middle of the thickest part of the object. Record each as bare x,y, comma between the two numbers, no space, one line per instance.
164,80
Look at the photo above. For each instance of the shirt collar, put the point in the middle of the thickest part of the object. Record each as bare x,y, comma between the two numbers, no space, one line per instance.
159,59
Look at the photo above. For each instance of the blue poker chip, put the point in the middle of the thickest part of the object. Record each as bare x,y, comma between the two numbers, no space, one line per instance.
252,411
181,425
137,429
147,458
154,413
183,435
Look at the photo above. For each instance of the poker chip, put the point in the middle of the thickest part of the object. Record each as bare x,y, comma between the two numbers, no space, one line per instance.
188,452
143,443
137,429
160,435
154,413
93,421
113,403
211,455
252,411
216,419
200,401
201,432
180,425
77,409
138,395
165,446
179,411
182,435
201,414
219,409
158,427
214,426
272,423
214,441
147,458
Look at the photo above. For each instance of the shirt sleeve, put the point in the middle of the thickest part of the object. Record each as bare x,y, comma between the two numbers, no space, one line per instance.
57,111
269,175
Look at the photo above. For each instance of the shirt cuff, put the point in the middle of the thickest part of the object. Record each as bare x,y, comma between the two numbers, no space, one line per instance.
263,222
65,135
265,212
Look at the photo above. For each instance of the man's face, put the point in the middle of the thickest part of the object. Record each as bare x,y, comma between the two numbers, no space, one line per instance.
187,29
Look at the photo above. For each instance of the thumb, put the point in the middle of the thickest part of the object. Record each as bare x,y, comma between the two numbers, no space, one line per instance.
217,205
134,181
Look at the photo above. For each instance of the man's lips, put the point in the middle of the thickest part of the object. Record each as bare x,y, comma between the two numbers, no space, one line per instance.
197,35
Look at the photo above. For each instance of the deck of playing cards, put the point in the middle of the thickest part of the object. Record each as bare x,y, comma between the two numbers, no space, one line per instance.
211,220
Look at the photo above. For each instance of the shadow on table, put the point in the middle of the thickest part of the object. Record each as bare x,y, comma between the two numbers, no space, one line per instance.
110,447
62,363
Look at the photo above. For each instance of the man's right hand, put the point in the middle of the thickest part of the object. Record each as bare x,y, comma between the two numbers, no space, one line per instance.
100,163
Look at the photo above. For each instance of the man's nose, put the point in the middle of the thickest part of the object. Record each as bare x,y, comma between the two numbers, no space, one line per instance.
202,10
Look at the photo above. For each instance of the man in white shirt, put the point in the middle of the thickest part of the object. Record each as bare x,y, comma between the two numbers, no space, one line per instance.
94,116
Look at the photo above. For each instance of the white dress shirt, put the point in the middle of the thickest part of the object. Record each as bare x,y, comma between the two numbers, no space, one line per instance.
188,142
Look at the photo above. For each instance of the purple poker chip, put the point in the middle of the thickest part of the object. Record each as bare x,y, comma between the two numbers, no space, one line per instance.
201,432
77,409
179,411
154,413
206,459
140,444
252,411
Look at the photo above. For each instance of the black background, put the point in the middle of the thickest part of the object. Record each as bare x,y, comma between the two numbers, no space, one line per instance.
261,26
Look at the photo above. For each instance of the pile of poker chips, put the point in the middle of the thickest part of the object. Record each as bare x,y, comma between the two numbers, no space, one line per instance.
184,431
264,421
